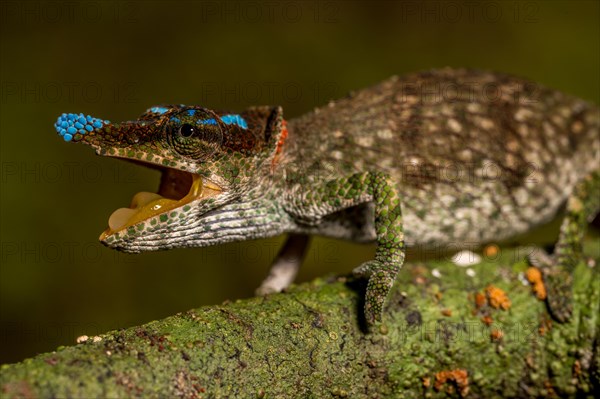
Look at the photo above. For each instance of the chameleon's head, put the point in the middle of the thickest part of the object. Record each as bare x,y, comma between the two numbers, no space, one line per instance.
208,159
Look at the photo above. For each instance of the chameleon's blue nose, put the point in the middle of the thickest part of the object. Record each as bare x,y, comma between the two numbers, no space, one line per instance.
69,126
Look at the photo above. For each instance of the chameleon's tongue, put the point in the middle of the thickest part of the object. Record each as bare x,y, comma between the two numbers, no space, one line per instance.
145,205
141,204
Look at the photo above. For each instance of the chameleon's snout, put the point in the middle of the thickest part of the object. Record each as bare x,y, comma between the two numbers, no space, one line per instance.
76,126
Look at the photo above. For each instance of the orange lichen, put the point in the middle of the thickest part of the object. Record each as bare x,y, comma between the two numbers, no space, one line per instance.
545,326
447,312
480,300
534,276
491,251
426,382
577,368
497,298
487,320
459,378
496,335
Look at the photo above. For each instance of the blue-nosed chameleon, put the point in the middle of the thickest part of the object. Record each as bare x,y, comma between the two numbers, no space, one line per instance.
437,157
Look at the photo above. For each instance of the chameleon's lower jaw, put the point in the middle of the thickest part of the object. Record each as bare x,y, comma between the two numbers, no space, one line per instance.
177,189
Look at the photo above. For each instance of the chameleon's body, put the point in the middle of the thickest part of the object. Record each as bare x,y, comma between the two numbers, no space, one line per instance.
447,156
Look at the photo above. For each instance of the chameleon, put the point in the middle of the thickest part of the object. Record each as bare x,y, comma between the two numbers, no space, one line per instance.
445,156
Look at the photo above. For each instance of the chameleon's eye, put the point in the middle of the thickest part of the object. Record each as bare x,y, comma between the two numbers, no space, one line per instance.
195,133
187,130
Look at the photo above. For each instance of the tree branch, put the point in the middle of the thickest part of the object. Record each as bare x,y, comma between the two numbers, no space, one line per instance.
455,334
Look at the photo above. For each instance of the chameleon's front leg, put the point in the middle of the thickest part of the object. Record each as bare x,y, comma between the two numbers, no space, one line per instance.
344,193
557,269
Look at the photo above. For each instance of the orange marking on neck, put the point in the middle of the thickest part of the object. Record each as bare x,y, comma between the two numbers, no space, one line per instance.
278,148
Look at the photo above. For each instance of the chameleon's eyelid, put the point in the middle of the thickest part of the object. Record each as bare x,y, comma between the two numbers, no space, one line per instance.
209,121
234,119
229,119
158,110
189,112
166,110
210,118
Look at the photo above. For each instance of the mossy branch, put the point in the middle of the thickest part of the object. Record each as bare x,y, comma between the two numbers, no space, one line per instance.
454,334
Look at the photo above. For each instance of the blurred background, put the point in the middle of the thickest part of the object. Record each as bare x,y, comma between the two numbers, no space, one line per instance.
114,59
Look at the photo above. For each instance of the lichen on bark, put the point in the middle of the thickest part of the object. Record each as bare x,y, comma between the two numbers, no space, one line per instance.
446,334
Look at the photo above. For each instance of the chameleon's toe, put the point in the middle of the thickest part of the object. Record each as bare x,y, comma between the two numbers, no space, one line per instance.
560,296
558,282
366,269
380,283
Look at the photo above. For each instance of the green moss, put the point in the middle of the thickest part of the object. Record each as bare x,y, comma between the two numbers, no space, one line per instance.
309,342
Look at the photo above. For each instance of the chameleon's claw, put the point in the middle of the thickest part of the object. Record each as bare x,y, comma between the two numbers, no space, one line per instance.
380,283
365,270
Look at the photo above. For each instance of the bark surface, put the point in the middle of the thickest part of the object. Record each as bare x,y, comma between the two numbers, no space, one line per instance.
449,331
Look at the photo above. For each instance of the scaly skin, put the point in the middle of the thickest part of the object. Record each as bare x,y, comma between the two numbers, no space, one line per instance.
441,157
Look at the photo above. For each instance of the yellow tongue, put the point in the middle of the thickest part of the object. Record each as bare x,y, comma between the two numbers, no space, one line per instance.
145,205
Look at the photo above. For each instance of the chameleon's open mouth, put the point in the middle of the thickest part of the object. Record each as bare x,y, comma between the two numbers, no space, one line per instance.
177,188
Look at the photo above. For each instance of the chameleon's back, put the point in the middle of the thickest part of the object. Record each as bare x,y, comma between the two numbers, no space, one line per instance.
477,156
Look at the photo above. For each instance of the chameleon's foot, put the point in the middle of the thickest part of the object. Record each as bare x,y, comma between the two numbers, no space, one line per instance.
281,275
381,279
557,270
558,282
285,266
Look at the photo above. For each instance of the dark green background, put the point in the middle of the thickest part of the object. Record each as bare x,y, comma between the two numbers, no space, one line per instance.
112,60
